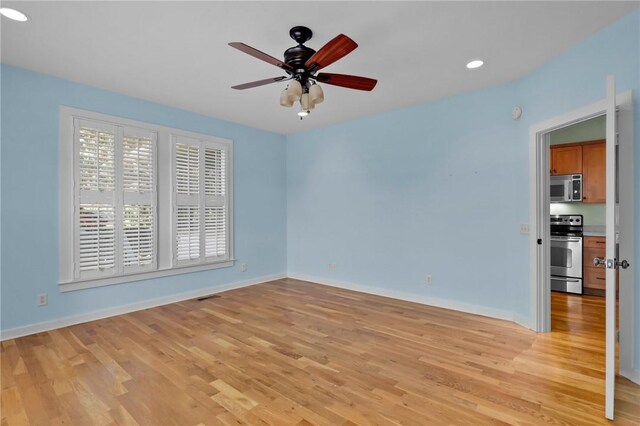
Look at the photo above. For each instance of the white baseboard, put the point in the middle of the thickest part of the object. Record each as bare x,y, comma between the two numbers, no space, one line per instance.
631,374
39,327
425,300
523,321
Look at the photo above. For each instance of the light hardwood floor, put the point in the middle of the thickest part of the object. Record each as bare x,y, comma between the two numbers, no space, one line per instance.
290,352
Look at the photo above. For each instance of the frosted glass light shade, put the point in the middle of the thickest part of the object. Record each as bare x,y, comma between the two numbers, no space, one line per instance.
304,101
316,95
294,90
284,99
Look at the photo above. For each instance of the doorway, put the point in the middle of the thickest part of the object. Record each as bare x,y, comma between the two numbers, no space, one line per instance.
577,192
540,210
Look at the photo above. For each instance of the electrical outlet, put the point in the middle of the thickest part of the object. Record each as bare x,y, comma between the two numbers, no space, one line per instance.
429,279
332,266
243,267
524,228
42,299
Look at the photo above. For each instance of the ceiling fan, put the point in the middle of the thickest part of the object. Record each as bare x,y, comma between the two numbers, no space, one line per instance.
302,64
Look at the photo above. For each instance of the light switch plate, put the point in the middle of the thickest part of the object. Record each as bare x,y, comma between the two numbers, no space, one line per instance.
524,228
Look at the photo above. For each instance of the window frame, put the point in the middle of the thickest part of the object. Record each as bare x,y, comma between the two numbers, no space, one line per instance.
163,198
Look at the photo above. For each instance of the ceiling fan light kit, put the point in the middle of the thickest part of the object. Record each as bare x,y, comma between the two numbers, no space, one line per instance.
302,64
285,101
316,95
294,90
304,101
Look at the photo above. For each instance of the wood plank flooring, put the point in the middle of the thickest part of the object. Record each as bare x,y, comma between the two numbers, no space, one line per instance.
294,353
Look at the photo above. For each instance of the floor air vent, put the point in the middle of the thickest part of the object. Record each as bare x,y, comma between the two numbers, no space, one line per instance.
211,296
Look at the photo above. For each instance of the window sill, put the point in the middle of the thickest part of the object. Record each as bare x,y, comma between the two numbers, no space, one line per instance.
99,282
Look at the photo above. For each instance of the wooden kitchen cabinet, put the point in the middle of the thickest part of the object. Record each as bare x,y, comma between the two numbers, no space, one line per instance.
594,172
587,158
593,277
597,242
594,281
566,160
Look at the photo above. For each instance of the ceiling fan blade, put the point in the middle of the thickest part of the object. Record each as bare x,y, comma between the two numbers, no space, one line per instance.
259,83
260,55
338,47
348,81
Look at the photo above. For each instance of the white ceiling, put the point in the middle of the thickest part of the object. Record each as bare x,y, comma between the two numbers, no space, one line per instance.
176,53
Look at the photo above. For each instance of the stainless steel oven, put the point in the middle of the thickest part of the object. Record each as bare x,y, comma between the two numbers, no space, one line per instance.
566,284
566,256
566,253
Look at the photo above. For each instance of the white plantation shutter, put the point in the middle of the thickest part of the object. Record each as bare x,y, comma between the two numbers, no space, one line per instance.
215,231
138,197
97,239
188,233
96,156
201,219
187,167
137,162
115,198
187,199
95,247
215,217
138,239
214,171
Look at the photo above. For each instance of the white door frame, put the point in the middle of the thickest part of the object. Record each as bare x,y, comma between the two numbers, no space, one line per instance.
612,219
540,308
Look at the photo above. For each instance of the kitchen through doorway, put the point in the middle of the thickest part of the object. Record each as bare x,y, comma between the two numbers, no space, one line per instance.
577,229
565,166
577,176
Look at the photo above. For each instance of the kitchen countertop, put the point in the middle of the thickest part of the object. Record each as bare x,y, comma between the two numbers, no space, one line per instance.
594,231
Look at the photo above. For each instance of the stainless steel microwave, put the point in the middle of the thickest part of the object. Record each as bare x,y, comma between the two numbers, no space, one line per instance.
565,188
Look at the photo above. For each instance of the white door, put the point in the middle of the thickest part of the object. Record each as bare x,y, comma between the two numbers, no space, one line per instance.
610,261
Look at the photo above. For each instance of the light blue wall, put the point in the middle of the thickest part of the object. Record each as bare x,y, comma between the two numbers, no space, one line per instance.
440,188
30,103
424,190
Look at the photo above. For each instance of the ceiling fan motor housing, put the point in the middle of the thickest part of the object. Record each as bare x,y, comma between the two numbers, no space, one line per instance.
296,56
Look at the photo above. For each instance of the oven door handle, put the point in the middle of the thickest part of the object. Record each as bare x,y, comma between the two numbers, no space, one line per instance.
570,280
566,240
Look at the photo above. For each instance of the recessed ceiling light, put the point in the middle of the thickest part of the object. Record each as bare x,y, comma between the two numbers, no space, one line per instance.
16,15
475,64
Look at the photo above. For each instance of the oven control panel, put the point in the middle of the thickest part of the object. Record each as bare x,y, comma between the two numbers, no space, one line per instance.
563,219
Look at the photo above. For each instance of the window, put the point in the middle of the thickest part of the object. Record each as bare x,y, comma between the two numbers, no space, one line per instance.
115,189
139,200
200,200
